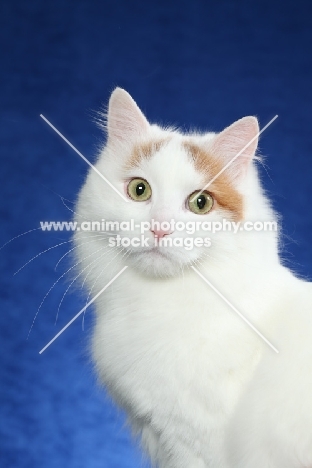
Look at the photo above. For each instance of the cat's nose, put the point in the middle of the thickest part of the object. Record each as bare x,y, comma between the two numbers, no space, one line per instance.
159,233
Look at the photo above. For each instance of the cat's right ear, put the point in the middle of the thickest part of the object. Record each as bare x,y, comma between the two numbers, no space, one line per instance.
125,121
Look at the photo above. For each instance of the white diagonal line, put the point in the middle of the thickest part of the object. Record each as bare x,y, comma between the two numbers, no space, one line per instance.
235,310
84,158
233,159
82,310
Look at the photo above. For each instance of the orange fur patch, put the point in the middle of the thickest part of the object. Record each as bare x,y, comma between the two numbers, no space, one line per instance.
222,188
144,151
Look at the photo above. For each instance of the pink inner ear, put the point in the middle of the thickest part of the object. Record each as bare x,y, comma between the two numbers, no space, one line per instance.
238,142
125,120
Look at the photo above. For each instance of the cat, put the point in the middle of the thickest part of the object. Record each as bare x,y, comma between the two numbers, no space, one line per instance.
200,387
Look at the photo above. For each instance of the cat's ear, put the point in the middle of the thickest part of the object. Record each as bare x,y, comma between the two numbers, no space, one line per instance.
236,146
125,121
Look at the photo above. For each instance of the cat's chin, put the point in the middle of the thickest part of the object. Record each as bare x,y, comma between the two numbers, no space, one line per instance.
159,263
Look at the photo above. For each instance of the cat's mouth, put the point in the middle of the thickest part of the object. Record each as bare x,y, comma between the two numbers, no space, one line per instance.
153,252
156,251
159,261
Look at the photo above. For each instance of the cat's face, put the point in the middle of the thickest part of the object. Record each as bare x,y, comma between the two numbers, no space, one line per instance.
161,174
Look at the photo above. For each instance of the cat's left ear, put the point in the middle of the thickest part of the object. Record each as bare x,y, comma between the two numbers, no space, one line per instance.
236,146
125,121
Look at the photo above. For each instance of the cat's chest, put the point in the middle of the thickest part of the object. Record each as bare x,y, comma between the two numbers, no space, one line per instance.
166,340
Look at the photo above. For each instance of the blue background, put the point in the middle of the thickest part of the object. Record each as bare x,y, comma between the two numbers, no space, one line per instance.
193,63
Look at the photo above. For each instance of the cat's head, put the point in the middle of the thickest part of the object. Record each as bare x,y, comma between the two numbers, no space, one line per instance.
177,180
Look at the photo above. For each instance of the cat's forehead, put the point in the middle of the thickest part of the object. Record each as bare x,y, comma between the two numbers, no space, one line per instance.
167,159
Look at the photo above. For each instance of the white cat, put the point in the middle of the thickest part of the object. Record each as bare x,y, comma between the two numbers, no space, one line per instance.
200,387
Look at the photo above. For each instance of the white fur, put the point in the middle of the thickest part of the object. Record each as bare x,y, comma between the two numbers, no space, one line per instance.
201,389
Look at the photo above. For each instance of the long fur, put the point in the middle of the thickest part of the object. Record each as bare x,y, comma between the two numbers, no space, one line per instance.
201,388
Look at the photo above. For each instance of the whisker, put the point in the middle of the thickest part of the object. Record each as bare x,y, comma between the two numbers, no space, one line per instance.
85,279
63,297
38,255
111,232
54,284
74,212
97,278
20,235
84,243
103,269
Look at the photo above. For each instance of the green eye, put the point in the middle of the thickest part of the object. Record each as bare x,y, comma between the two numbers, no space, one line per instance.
139,190
200,202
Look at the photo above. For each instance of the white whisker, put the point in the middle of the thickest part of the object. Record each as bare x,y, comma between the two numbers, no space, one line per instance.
85,279
96,280
54,284
38,255
94,239
73,281
20,235
74,212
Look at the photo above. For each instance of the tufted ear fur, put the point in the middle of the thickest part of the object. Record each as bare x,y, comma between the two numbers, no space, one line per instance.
238,142
125,121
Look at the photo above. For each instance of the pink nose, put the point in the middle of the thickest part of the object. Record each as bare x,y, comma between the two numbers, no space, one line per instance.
160,233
